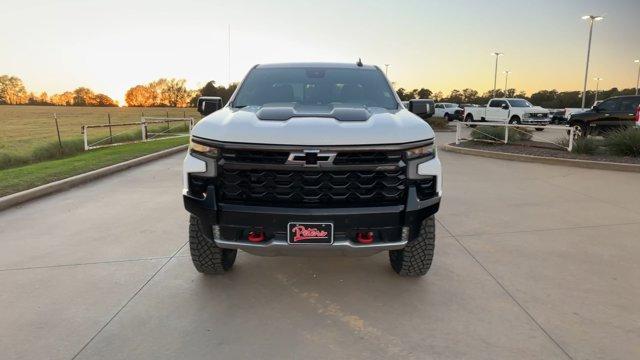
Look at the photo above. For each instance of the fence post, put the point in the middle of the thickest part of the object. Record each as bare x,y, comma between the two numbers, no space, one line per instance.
55,118
506,133
457,133
143,128
571,139
110,133
85,137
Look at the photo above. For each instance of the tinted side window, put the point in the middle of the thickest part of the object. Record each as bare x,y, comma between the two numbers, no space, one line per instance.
609,105
494,103
629,105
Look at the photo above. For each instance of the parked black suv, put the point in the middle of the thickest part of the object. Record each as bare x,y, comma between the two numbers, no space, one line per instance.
611,114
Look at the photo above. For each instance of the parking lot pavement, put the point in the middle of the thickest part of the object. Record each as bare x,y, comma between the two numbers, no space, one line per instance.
532,262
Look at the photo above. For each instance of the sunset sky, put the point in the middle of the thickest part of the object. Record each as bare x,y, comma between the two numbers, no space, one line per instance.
109,46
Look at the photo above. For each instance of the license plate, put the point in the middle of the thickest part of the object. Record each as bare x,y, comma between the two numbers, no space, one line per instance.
309,233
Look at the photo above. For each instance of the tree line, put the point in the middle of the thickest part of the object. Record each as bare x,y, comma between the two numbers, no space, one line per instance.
174,93
13,92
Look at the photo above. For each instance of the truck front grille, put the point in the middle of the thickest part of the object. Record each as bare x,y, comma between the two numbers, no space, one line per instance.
245,156
312,188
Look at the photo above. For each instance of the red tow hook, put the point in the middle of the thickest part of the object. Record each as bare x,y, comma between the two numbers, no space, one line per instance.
255,236
364,237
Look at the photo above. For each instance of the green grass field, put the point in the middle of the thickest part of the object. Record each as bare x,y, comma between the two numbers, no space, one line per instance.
26,177
23,128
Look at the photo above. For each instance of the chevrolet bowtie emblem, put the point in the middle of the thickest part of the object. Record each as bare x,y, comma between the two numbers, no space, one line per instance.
311,158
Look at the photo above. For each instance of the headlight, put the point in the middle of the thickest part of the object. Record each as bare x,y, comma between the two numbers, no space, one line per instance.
420,151
201,149
526,115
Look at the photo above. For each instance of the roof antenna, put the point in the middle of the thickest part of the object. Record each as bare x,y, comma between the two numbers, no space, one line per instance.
359,63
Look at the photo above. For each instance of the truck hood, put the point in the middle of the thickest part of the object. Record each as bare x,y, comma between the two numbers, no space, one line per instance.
286,124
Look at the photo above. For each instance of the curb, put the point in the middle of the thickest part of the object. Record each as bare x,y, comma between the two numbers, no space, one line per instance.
587,164
64,184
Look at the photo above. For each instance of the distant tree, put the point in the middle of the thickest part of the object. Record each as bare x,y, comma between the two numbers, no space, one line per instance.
83,96
104,100
12,90
403,95
455,96
211,89
424,93
64,99
469,95
140,95
438,96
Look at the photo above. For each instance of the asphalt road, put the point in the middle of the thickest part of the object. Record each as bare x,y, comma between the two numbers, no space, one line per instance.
532,262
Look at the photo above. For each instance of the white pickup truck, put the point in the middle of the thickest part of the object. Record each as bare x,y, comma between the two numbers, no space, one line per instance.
508,110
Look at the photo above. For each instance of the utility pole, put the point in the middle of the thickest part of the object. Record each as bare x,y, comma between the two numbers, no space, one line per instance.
495,73
638,79
386,69
506,81
592,19
597,79
229,56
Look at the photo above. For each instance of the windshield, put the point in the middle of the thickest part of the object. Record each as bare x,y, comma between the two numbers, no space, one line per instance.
519,103
450,105
315,86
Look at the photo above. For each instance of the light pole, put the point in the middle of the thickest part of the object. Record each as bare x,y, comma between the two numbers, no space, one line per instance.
597,79
592,19
638,79
495,73
506,81
386,69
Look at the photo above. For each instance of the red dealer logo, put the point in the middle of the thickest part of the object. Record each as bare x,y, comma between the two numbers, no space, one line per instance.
306,233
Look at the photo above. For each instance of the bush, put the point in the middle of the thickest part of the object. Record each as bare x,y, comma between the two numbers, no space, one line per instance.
624,142
496,133
588,146
438,123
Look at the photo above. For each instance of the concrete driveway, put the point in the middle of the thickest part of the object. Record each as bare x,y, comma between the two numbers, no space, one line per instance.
532,262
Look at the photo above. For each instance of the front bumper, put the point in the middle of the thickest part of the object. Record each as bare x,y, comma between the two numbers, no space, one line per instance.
527,121
229,224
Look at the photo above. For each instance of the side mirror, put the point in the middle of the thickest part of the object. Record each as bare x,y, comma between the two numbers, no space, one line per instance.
505,106
595,108
209,104
422,107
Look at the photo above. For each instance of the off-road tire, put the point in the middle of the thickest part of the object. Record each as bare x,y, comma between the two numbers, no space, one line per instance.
581,130
468,118
207,258
415,259
514,120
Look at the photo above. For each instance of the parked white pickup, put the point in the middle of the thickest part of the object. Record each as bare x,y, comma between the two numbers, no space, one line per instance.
508,110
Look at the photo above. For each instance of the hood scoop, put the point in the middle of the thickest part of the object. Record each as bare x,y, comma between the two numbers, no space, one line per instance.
286,111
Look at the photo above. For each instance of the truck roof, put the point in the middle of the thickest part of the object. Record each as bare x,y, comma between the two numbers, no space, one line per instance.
316,65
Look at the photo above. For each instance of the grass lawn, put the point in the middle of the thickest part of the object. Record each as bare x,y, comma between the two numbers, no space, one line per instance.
26,177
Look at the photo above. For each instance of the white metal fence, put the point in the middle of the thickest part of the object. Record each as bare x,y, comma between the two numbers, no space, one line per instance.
150,128
554,135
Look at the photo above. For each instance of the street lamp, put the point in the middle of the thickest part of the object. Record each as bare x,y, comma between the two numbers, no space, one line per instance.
506,80
597,79
637,80
386,69
495,74
592,19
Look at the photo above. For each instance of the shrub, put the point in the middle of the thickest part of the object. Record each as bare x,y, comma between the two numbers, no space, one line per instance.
496,133
587,146
624,142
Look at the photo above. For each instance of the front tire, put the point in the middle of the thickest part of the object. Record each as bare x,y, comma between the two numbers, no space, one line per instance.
415,259
447,117
514,120
580,130
208,258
